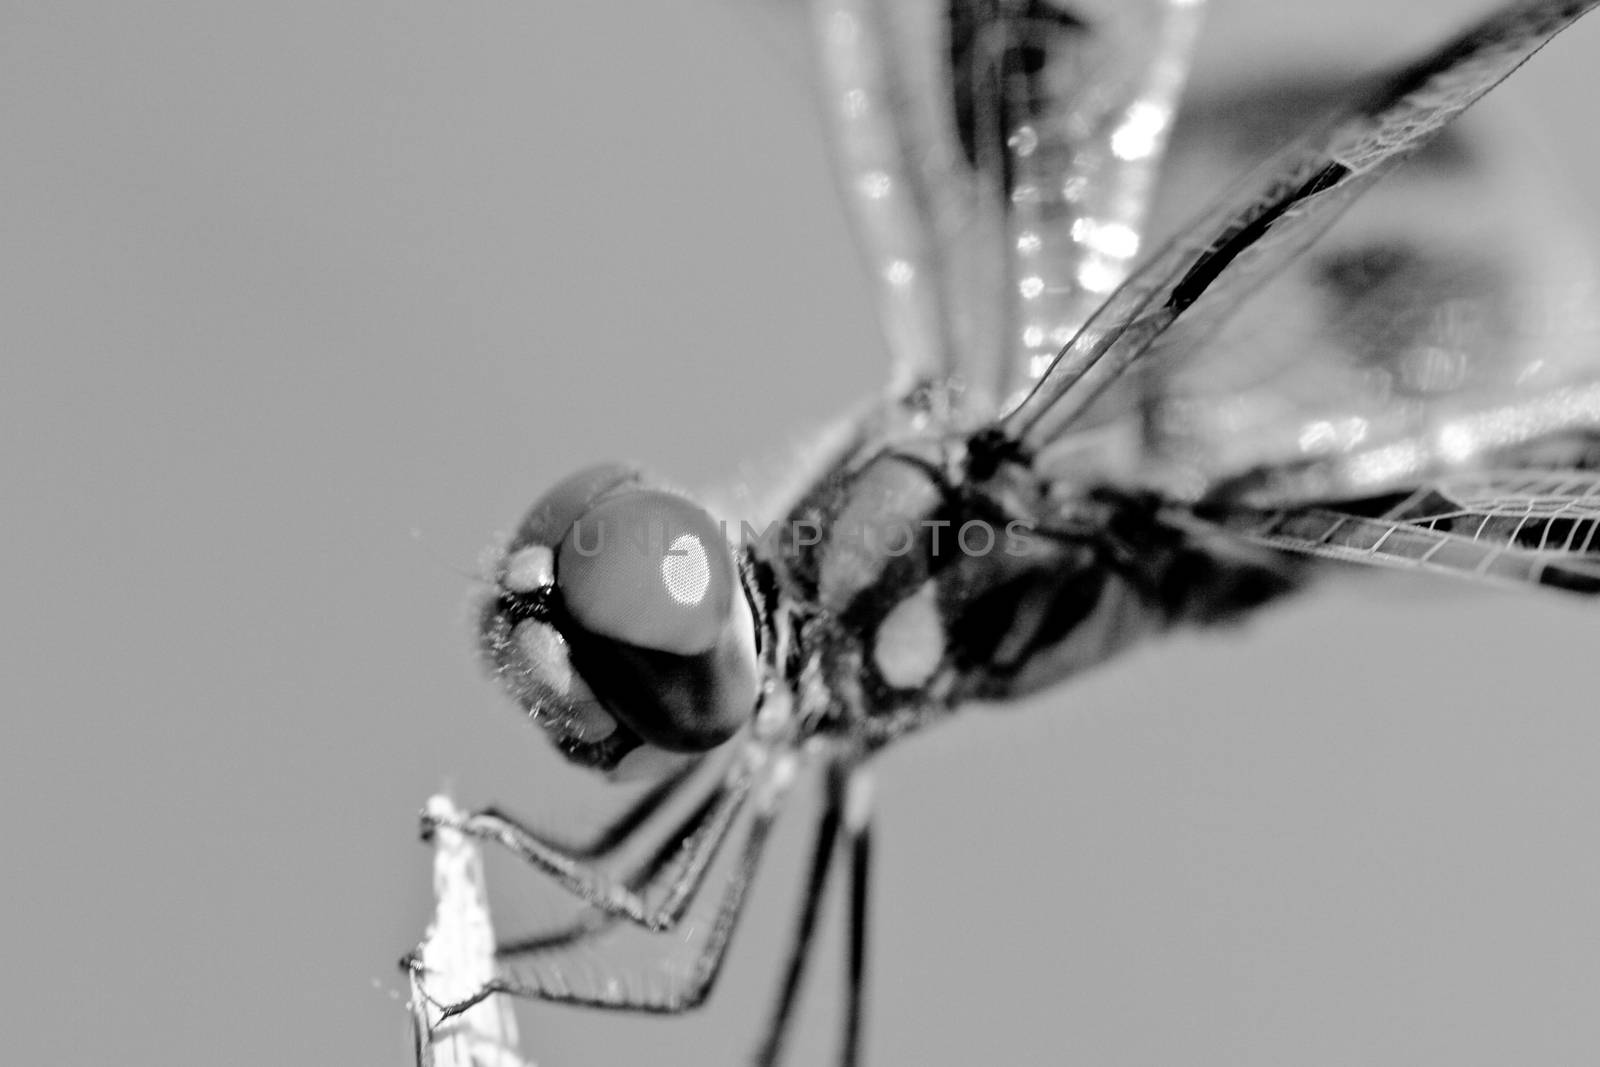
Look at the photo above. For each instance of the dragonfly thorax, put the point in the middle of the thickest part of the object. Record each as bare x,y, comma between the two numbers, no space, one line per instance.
936,588
619,621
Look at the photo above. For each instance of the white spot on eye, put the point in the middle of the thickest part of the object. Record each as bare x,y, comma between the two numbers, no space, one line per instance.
910,641
1025,141
899,272
686,570
1073,188
529,569
1030,286
1033,337
1028,243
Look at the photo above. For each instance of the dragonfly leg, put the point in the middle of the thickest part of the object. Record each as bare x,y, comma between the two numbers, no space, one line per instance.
771,1049
615,834
657,905
594,921
858,838
672,987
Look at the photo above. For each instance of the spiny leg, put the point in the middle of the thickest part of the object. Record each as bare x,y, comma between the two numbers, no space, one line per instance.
858,837
827,840
594,922
683,988
680,879
616,833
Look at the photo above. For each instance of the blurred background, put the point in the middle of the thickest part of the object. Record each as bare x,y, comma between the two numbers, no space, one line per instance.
301,303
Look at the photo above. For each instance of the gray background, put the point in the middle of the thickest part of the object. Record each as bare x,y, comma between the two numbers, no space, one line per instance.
281,283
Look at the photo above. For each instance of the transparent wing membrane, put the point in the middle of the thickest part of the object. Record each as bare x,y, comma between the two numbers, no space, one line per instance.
1453,312
998,156
1075,147
1177,302
1527,526
1359,455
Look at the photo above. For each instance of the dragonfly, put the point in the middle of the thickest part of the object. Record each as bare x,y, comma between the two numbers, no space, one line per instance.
1083,445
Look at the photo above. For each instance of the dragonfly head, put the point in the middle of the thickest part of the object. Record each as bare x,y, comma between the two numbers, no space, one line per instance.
620,624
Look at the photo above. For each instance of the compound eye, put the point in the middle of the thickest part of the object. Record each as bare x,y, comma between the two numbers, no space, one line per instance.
651,569
548,521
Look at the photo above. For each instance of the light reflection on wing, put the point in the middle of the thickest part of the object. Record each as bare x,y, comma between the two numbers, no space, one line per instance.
1521,525
998,158
1173,306
1451,314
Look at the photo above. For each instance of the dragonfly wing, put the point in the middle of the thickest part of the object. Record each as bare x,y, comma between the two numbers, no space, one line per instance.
1454,312
1176,304
1533,520
997,156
